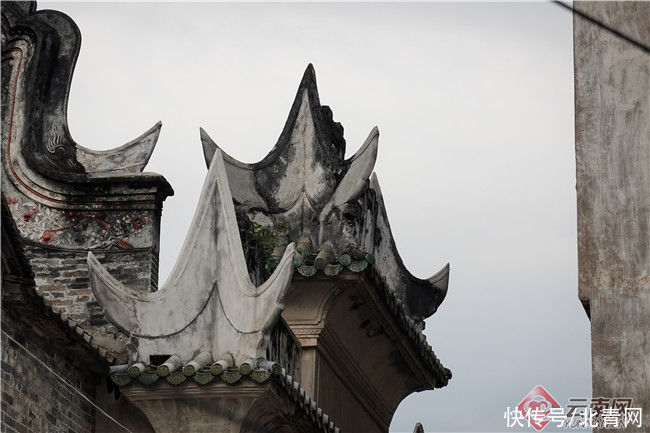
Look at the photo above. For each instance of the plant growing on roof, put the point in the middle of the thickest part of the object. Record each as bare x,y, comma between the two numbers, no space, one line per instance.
265,240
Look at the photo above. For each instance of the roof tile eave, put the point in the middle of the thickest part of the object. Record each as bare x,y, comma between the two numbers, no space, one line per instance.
233,376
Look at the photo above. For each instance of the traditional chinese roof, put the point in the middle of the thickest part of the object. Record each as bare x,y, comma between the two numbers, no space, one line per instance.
63,198
259,371
208,303
413,330
309,262
307,265
334,204
91,220
45,45
306,192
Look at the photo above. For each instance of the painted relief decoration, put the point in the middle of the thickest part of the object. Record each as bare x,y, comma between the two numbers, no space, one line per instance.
78,229
61,194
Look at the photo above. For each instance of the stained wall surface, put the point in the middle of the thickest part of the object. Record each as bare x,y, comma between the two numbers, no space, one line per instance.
34,400
612,107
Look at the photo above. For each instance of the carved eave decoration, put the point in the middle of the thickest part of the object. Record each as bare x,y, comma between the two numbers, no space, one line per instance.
333,207
42,164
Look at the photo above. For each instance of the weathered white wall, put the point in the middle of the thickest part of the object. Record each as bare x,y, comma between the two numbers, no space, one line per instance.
612,103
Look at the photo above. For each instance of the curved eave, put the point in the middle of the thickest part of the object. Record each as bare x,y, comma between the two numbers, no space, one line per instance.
421,296
131,157
56,40
368,146
413,330
210,147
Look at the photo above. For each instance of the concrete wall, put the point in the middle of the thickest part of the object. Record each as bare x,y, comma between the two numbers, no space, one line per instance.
612,106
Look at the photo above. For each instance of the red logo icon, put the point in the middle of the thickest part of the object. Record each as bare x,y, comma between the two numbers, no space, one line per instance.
536,405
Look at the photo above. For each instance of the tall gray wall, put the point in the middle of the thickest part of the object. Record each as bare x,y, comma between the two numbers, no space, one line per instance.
612,109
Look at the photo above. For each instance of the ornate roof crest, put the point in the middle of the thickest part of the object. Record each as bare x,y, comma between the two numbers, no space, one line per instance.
326,201
208,303
40,49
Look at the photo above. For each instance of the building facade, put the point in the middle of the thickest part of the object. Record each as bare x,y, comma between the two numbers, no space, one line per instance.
289,308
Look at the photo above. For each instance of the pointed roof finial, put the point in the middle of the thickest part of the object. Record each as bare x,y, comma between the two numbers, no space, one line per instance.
306,182
308,82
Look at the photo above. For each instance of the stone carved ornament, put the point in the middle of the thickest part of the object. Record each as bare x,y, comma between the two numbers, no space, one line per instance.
305,184
208,304
62,194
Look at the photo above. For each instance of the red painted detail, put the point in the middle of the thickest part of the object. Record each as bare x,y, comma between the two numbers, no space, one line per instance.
75,219
102,224
125,244
28,215
137,224
47,237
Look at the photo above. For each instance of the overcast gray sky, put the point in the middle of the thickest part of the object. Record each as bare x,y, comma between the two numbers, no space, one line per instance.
474,103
